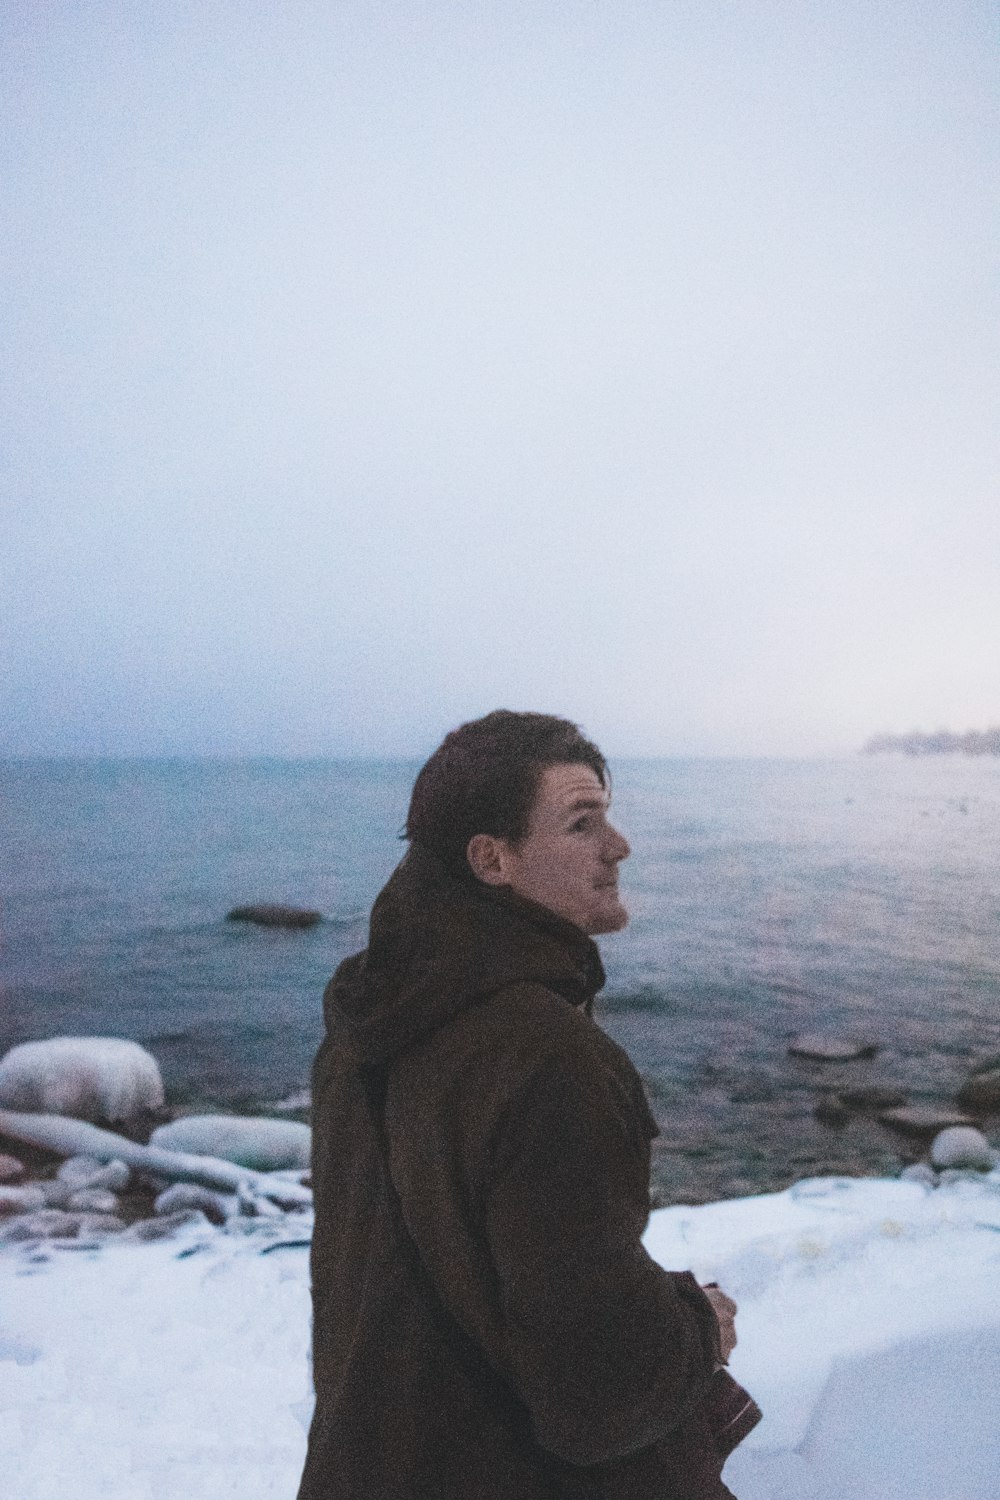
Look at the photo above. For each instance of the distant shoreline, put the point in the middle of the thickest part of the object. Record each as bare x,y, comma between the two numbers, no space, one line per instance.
942,742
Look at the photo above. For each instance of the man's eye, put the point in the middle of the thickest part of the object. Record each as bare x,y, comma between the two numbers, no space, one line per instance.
580,826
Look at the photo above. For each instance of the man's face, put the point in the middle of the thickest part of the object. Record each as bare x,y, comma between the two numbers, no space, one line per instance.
568,859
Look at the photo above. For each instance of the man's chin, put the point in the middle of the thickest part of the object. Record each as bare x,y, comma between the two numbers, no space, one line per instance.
612,919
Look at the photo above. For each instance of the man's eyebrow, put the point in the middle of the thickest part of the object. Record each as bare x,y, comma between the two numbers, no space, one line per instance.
587,801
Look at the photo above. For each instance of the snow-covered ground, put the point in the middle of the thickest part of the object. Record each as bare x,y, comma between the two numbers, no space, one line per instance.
869,1332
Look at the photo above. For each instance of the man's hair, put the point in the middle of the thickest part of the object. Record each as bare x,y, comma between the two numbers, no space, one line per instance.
484,776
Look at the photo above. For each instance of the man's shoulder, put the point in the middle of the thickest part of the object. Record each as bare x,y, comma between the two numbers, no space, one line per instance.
529,1021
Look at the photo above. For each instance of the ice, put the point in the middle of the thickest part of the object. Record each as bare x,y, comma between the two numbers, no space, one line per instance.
869,1330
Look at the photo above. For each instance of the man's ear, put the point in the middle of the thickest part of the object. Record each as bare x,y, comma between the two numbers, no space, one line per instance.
485,854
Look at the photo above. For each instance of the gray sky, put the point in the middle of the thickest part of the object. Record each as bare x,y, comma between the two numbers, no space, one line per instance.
370,365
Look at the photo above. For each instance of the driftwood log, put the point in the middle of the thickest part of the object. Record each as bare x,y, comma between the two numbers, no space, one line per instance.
66,1137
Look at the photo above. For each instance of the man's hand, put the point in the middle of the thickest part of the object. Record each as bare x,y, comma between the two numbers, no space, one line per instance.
725,1311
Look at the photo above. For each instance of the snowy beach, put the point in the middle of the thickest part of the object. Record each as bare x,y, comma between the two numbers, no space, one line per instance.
869,1331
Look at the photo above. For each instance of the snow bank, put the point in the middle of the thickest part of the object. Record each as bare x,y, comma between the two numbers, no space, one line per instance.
869,1332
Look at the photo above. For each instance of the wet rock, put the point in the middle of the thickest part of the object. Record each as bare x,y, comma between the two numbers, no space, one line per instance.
182,1196
981,1092
46,1224
164,1225
873,1097
301,1100
963,1146
21,1200
98,1225
11,1170
265,1145
267,915
922,1119
826,1047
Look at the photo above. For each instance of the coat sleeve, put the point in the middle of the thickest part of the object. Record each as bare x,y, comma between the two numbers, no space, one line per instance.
607,1350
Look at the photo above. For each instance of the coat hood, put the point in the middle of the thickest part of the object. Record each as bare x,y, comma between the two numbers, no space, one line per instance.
437,944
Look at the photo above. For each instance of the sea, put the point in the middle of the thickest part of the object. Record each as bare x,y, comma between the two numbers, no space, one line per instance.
858,896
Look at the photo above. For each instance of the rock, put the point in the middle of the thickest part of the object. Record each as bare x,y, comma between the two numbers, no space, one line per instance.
981,1092
919,1172
922,1119
96,1078
87,1172
165,1225
92,1200
825,1047
265,1145
21,1200
64,1137
300,1100
11,1170
275,916
89,1196
46,1224
56,1194
963,1146
101,1224
872,1096
79,1171
217,1207
831,1110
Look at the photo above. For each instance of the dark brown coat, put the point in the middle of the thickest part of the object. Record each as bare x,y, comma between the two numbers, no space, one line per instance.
564,1361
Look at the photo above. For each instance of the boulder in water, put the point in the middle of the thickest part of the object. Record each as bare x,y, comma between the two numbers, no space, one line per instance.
981,1092
831,1110
270,915
823,1046
963,1146
922,1119
872,1096
263,1144
95,1078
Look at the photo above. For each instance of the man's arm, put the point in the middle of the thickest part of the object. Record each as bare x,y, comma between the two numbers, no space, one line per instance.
608,1350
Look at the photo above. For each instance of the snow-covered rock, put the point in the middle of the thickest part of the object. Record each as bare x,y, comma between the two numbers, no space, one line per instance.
96,1078
963,1146
217,1207
21,1200
265,1145
88,1172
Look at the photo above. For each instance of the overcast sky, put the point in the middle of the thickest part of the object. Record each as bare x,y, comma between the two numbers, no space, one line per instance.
366,366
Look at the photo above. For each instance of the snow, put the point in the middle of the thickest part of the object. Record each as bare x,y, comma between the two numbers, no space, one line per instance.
869,1329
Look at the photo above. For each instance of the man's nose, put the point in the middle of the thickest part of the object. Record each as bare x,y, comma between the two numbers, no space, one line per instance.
618,848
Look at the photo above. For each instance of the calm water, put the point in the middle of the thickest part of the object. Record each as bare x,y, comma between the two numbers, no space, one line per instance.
768,897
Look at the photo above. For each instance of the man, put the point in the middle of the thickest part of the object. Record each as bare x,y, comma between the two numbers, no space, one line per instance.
486,1321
